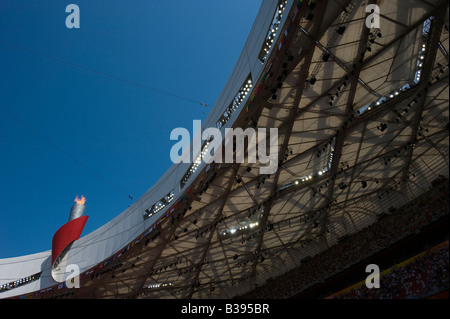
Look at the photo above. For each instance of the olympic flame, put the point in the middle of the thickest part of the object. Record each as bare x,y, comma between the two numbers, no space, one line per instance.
81,200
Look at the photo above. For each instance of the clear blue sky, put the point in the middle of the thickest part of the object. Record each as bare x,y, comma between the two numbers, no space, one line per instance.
83,111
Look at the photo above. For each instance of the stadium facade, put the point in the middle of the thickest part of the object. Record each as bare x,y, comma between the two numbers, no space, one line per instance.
362,117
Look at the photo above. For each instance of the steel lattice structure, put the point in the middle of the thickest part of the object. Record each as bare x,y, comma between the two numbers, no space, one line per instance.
362,119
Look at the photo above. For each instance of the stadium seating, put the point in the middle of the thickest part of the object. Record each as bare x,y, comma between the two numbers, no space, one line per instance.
388,230
419,277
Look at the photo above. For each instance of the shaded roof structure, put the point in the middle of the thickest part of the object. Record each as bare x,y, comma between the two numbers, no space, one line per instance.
362,117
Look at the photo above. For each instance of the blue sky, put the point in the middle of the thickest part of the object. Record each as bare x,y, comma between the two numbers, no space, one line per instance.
89,111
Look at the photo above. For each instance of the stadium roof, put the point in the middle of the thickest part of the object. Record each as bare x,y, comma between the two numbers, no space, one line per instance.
362,117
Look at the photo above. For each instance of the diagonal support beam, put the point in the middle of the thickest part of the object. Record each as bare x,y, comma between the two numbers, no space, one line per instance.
286,132
234,169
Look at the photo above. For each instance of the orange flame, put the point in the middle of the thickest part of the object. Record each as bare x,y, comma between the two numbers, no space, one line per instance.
81,200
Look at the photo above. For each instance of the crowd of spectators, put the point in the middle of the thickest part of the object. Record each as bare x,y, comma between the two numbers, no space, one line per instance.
388,230
419,278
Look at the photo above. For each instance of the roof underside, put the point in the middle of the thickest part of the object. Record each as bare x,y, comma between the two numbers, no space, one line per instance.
341,163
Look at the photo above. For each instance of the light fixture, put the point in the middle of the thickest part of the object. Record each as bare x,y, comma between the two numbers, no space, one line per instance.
340,30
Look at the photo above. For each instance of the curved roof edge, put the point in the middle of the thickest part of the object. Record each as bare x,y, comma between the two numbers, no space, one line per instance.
94,249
